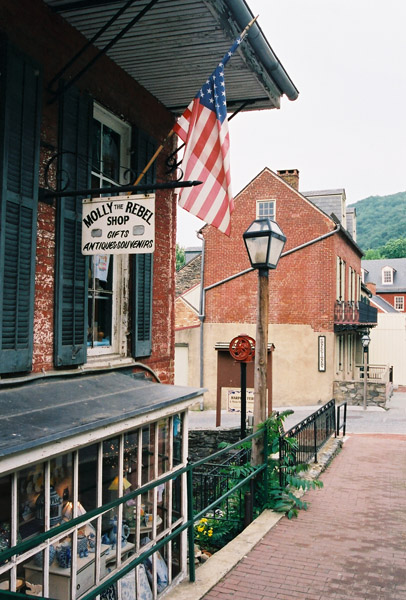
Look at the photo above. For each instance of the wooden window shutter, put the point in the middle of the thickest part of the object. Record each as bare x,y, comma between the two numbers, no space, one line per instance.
20,113
74,168
143,148
142,267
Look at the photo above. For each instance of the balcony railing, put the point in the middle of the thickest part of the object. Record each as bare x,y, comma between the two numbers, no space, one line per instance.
355,313
375,373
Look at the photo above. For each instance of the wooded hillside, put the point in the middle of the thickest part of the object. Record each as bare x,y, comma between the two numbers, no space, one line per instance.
380,219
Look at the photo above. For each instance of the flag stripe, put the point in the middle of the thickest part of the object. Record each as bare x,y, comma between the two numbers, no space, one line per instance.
204,129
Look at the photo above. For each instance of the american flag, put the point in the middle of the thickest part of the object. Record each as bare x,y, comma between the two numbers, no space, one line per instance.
204,129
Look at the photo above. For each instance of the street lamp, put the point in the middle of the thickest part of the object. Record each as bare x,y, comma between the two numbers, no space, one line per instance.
365,343
264,242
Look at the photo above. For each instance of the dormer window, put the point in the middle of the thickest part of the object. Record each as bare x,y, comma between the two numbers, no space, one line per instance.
387,276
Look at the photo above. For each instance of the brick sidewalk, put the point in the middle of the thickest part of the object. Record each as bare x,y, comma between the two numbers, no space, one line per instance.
349,545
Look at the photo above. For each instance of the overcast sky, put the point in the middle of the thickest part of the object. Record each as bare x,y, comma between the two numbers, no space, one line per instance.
347,129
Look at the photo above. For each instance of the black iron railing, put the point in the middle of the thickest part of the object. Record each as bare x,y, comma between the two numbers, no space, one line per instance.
212,480
309,436
355,313
341,424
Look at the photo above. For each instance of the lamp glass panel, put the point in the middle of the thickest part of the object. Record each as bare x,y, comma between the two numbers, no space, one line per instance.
257,249
275,251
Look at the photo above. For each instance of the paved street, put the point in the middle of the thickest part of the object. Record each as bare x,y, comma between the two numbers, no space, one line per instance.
351,543
371,420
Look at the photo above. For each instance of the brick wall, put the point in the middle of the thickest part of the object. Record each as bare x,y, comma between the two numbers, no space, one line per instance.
185,316
47,38
390,297
303,286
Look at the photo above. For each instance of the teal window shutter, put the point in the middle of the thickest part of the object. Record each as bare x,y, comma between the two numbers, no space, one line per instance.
20,113
74,167
143,147
142,267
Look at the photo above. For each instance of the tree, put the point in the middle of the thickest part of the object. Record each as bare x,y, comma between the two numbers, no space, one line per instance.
180,257
372,254
395,249
392,249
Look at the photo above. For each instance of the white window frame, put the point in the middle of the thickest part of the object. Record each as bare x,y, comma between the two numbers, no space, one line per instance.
399,303
263,203
120,316
387,271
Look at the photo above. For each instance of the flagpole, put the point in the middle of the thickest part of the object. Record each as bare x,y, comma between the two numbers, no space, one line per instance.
170,134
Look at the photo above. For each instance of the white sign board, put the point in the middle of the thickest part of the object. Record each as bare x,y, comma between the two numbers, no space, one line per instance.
119,225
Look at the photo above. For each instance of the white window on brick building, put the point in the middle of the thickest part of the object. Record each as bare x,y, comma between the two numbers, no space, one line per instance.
108,275
400,303
266,208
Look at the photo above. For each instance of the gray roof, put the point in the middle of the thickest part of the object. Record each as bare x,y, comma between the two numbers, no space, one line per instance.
329,201
383,304
373,273
54,409
177,44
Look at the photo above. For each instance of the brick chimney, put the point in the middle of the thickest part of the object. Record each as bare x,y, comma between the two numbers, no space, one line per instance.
372,287
291,176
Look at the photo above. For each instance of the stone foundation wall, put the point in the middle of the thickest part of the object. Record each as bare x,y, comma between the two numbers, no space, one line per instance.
353,393
203,442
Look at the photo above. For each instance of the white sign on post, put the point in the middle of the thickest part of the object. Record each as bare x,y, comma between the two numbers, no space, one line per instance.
119,225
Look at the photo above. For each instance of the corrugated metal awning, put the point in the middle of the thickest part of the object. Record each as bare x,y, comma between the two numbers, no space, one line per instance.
177,43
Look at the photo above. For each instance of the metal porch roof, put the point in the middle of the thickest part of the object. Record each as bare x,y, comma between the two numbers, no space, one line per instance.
54,409
177,44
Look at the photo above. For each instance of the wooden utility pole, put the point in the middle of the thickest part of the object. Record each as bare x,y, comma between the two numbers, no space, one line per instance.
261,359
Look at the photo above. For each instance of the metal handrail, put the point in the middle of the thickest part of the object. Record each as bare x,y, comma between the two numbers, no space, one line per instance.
344,424
311,434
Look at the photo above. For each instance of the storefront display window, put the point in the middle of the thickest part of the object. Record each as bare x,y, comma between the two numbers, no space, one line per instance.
54,492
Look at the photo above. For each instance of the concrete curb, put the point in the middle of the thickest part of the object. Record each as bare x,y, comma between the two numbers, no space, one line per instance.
221,563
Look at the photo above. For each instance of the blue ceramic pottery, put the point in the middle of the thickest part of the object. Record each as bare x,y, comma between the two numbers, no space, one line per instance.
64,557
39,558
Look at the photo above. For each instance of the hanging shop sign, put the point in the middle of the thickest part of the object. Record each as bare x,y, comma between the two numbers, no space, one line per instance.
119,225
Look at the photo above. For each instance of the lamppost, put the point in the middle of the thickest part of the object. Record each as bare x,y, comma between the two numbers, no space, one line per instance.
365,343
264,241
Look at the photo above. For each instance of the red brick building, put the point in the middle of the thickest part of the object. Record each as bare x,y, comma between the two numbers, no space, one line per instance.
315,314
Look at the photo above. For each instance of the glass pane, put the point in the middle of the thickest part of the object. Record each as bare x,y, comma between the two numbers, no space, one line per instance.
110,470
100,301
163,446
5,512
111,153
148,434
61,489
177,439
30,500
87,477
157,570
176,555
176,498
130,482
162,505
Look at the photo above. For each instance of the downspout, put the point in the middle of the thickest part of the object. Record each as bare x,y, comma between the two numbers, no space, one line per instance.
201,316
319,239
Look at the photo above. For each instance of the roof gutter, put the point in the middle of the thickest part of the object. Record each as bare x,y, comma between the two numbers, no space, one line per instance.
243,15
